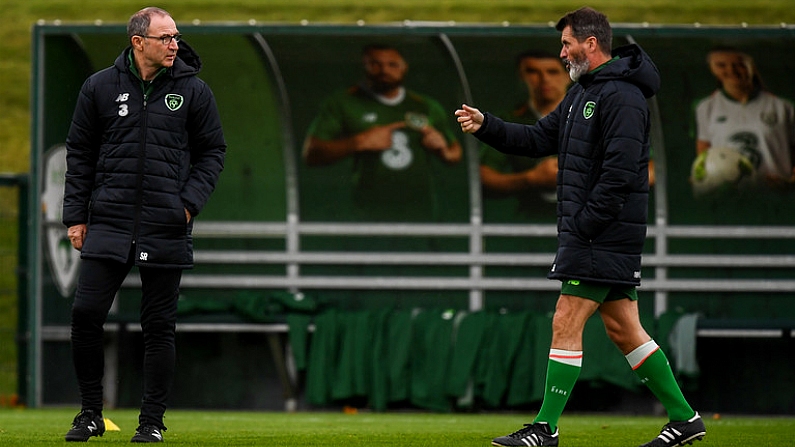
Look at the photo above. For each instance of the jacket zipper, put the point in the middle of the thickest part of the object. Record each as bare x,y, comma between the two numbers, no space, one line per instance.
570,118
141,163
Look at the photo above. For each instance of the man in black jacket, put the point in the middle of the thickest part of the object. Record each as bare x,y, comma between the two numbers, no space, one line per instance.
600,132
144,153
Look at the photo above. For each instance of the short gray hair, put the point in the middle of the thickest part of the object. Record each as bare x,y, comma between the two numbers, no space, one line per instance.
139,22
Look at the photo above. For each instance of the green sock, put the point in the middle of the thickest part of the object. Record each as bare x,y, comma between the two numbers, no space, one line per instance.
563,369
652,367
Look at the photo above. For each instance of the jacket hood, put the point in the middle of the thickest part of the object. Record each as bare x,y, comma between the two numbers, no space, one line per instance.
187,62
634,66
191,63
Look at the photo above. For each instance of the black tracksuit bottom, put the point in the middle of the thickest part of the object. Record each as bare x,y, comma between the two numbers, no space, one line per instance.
97,286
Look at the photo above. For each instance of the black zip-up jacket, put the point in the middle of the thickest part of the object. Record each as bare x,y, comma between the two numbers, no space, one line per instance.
600,132
137,156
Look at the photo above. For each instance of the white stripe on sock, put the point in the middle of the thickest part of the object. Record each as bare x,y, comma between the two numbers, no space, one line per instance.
641,353
573,358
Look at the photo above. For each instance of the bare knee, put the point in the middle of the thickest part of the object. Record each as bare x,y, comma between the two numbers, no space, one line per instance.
626,337
561,327
618,335
571,314
622,324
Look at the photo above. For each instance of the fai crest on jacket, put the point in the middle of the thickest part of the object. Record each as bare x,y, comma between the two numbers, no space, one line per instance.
174,101
64,260
588,110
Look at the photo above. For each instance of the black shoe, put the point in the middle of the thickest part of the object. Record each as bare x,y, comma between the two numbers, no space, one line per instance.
537,434
86,424
148,433
679,433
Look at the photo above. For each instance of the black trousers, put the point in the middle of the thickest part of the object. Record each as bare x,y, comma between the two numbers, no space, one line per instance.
97,286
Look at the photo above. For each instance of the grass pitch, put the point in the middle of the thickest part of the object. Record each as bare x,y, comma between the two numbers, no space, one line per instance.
42,427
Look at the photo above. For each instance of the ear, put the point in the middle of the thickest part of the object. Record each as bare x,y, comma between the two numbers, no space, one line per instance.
592,43
137,42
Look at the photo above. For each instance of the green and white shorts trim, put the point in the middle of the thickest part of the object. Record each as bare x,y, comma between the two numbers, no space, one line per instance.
598,292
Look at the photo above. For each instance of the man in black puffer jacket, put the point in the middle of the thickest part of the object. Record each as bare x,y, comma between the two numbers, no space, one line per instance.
600,133
144,153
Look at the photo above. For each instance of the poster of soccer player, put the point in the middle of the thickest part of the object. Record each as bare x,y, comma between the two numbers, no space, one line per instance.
729,129
373,134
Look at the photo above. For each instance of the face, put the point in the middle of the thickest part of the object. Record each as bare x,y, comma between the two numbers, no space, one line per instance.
155,54
384,69
731,69
546,79
573,53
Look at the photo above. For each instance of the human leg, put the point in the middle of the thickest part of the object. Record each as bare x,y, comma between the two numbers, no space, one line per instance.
623,326
622,323
97,285
565,355
651,366
159,294
563,369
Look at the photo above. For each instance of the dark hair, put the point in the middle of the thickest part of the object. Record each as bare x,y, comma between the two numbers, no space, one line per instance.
139,22
380,47
536,54
586,22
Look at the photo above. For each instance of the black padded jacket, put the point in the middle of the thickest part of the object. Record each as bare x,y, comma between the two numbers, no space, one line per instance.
138,155
600,132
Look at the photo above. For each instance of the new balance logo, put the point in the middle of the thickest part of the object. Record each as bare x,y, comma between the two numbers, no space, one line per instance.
124,109
92,427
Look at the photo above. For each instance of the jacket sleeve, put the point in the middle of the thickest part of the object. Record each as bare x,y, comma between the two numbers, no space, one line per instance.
624,124
537,140
207,151
82,149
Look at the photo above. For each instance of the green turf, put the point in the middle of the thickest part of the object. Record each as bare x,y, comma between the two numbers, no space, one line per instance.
47,427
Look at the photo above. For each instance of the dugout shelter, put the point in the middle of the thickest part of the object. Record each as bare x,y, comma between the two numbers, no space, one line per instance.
286,281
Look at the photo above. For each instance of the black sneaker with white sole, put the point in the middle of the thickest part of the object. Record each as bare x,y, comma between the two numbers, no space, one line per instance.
148,433
536,434
86,424
675,434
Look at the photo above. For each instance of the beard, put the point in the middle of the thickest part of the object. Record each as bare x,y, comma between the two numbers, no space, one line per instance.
381,85
578,65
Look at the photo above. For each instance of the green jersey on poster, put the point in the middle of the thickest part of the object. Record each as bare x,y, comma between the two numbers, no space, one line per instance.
396,184
525,206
